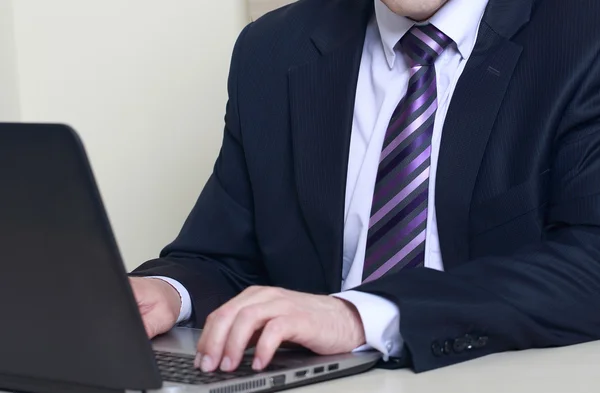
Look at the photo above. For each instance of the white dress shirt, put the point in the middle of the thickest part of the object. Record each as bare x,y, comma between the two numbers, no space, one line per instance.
382,83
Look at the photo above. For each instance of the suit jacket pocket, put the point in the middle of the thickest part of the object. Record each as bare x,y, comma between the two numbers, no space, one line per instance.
515,202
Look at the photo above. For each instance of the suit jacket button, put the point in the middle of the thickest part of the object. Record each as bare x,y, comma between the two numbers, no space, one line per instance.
481,342
470,341
436,349
447,348
460,344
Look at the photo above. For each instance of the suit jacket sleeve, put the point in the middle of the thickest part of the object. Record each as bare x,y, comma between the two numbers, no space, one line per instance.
545,295
215,255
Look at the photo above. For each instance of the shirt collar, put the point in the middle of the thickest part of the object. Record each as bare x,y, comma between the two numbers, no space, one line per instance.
458,19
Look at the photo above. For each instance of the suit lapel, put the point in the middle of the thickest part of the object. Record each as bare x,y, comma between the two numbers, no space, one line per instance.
470,120
322,95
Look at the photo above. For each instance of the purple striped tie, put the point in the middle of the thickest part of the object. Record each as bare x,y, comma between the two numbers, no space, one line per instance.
396,237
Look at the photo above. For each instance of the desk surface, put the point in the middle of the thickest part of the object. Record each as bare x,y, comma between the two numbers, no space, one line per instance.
564,370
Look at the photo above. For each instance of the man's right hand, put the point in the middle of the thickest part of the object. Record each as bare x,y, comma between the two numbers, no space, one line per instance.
159,304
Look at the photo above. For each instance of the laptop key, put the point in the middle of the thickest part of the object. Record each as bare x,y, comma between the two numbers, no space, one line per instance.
180,369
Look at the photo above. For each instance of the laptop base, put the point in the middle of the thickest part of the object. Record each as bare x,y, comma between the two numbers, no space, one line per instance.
29,385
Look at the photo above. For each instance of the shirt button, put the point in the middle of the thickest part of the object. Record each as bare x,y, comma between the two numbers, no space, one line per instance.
389,346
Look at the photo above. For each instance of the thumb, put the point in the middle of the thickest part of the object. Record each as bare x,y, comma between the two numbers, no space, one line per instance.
155,323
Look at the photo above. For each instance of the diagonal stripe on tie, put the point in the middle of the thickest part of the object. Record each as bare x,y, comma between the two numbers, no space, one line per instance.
397,228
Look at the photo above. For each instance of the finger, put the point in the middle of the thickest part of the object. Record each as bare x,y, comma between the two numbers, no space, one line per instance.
254,339
208,356
150,329
276,331
213,317
290,345
219,323
248,321
251,344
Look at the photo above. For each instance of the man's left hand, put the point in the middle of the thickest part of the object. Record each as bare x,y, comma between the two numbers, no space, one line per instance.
270,317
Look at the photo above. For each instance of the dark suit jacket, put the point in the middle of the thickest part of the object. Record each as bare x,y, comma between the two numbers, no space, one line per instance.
518,187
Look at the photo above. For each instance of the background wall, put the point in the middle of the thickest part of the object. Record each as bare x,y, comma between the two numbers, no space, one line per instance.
144,83
9,100
261,7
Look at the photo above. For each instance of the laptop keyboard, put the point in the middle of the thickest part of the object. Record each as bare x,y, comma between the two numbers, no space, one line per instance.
179,368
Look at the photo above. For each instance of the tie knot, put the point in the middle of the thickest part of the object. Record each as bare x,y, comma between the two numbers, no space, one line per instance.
424,44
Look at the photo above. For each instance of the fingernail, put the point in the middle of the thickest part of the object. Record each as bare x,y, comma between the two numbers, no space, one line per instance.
257,364
206,364
198,360
226,364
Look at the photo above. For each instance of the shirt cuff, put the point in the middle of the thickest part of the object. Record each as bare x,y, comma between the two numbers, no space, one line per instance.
185,312
381,320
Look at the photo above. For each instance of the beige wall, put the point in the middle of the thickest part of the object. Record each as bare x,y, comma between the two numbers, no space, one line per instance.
144,82
260,7
9,98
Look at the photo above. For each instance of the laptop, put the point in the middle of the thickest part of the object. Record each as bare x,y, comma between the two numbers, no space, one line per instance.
70,322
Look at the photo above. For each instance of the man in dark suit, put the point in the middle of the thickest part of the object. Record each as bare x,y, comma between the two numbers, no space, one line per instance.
430,190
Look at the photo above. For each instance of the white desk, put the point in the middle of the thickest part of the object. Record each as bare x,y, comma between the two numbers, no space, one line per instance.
565,370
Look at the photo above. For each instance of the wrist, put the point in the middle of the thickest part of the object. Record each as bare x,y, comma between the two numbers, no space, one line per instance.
171,295
357,329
